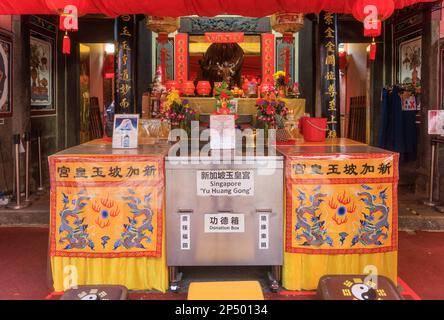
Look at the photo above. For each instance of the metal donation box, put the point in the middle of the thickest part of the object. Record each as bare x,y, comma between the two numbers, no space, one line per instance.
224,209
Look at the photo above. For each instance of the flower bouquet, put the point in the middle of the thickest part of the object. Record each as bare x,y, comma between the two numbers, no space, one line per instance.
273,113
280,80
177,110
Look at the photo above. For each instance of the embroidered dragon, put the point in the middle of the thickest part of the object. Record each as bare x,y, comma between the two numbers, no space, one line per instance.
370,231
77,236
134,233
312,230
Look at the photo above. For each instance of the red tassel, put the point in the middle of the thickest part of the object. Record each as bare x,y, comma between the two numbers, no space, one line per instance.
66,44
373,51
287,38
162,37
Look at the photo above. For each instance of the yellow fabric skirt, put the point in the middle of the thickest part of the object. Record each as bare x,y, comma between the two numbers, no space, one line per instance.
303,271
135,273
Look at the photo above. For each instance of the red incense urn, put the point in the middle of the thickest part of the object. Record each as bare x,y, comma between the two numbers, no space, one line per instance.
188,88
172,84
203,88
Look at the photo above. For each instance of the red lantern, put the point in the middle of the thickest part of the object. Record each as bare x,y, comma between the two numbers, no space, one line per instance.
371,13
108,66
69,13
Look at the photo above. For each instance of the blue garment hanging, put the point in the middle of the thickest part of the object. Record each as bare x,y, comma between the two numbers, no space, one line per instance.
398,127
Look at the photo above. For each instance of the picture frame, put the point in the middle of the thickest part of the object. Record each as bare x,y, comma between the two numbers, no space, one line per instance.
408,60
42,74
125,131
6,74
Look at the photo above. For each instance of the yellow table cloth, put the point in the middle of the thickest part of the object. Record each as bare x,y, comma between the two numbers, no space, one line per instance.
107,217
341,212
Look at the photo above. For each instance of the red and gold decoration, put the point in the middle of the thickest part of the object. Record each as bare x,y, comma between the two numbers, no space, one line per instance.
203,88
188,88
224,37
371,13
163,26
267,58
68,22
176,8
341,205
223,95
181,61
107,207
287,23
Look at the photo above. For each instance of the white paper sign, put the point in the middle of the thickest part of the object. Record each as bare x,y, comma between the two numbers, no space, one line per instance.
223,133
436,122
125,131
224,222
225,183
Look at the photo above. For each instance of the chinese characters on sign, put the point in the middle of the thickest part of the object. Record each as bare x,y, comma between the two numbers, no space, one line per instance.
124,80
329,72
105,171
224,222
263,231
181,56
225,183
353,168
224,37
267,57
185,232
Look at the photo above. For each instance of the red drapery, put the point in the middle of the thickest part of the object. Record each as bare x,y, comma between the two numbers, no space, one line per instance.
175,8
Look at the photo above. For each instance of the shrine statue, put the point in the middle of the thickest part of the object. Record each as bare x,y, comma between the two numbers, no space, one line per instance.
226,71
222,62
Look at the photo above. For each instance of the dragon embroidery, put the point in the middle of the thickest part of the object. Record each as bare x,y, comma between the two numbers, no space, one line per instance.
76,236
135,232
312,229
370,231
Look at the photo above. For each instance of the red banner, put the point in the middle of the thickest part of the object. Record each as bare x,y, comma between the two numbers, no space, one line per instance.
181,55
224,37
267,58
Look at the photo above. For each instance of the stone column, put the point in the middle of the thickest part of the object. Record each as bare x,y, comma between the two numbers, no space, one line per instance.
429,100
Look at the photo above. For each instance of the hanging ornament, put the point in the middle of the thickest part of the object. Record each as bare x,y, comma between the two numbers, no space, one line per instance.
162,24
371,13
287,24
68,22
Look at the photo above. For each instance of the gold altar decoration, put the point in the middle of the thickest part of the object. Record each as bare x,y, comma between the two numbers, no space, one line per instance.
287,22
162,24
246,106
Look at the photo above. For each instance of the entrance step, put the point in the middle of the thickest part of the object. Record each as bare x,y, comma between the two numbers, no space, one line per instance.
37,214
414,216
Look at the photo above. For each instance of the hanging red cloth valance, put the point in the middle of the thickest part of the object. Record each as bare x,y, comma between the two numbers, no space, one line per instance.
175,8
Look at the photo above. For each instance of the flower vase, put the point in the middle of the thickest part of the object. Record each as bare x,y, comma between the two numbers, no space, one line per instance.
184,125
267,127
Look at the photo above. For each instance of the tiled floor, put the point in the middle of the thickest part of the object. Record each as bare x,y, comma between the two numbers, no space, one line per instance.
23,266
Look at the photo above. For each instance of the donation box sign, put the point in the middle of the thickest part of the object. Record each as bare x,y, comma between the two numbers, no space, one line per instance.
224,222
